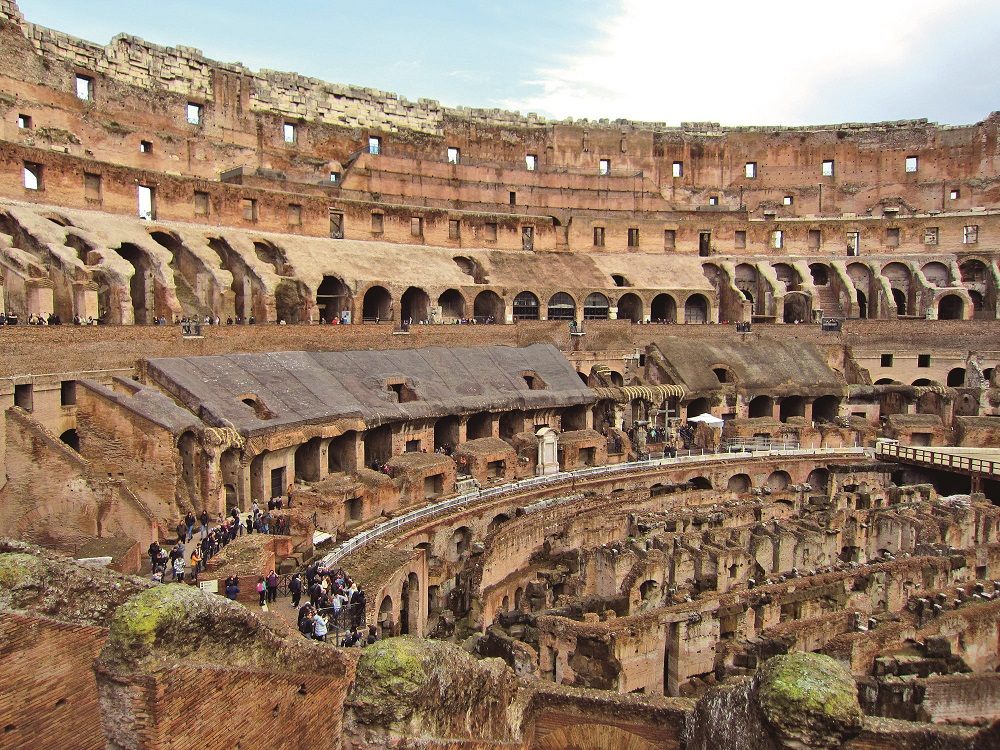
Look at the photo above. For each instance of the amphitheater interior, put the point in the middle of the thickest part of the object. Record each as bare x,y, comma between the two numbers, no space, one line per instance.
636,436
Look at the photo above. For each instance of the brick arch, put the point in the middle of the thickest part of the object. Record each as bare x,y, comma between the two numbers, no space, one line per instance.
576,735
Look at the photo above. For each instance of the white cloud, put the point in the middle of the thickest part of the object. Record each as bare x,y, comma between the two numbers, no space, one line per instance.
739,62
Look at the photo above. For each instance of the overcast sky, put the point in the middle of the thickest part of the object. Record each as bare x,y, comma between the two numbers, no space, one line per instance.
749,62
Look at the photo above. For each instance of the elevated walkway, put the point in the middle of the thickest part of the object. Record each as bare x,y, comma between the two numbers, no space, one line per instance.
978,463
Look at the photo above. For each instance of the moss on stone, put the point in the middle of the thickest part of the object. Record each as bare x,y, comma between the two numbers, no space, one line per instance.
394,666
136,622
18,569
808,698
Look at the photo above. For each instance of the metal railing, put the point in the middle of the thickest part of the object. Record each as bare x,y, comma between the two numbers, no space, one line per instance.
931,457
562,477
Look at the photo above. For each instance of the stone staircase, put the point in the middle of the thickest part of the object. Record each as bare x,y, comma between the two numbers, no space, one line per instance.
829,301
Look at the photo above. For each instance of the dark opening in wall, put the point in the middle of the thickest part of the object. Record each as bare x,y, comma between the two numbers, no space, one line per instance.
67,393
24,396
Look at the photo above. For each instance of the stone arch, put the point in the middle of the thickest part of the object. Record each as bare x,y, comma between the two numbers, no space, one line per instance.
956,377
700,483
951,307
663,309
696,309
561,307
791,406
385,622
376,305
596,306
897,273
777,480
415,305
526,306
820,273
818,478
488,304
860,274
937,273
977,300
973,271
760,406
862,300
787,275
739,483
459,543
698,406
452,304
70,438
471,268
649,589
899,299
291,301
630,307
332,298
797,308
479,425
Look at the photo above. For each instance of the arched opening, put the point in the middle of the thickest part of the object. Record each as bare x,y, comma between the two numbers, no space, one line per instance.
446,433
498,520
787,275
561,307
71,439
797,308
649,590
760,406
141,284
951,307
479,425
630,308
739,483
518,597
663,309
696,309
187,446
410,620
471,268
452,304
332,298
620,280
826,408
511,423
937,274
956,377
698,406
820,274
378,445
921,382
930,403
460,542
777,481
973,271
700,483
376,305
977,300
415,305
505,604
595,307
341,453
723,374
307,464
818,479
488,307
886,381
791,406
862,305
899,299
386,625
526,307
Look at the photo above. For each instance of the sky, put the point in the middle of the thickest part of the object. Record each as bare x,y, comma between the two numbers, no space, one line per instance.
738,63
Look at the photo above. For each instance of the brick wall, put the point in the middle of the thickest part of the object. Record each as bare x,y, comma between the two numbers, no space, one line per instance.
55,702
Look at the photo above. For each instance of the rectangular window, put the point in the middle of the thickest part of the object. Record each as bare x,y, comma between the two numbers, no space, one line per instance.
147,202
815,239
669,239
336,225
412,446
250,209
145,147
531,162
335,178
374,144
633,237
527,238
92,186
490,231
32,176
193,114
788,200
955,194
201,205
67,393
886,360
289,132
85,88
741,239
713,200
777,239
294,215
828,168
416,226
911,164
23,396
750,170
605,166
854,243
453,155
598,236
512,197
970,234
892,237
24,122
678,170
454,229
930,235
378,223
923,360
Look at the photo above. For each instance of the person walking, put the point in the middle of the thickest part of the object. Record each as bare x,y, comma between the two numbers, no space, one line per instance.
179,569
272,587
295,587
195,563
